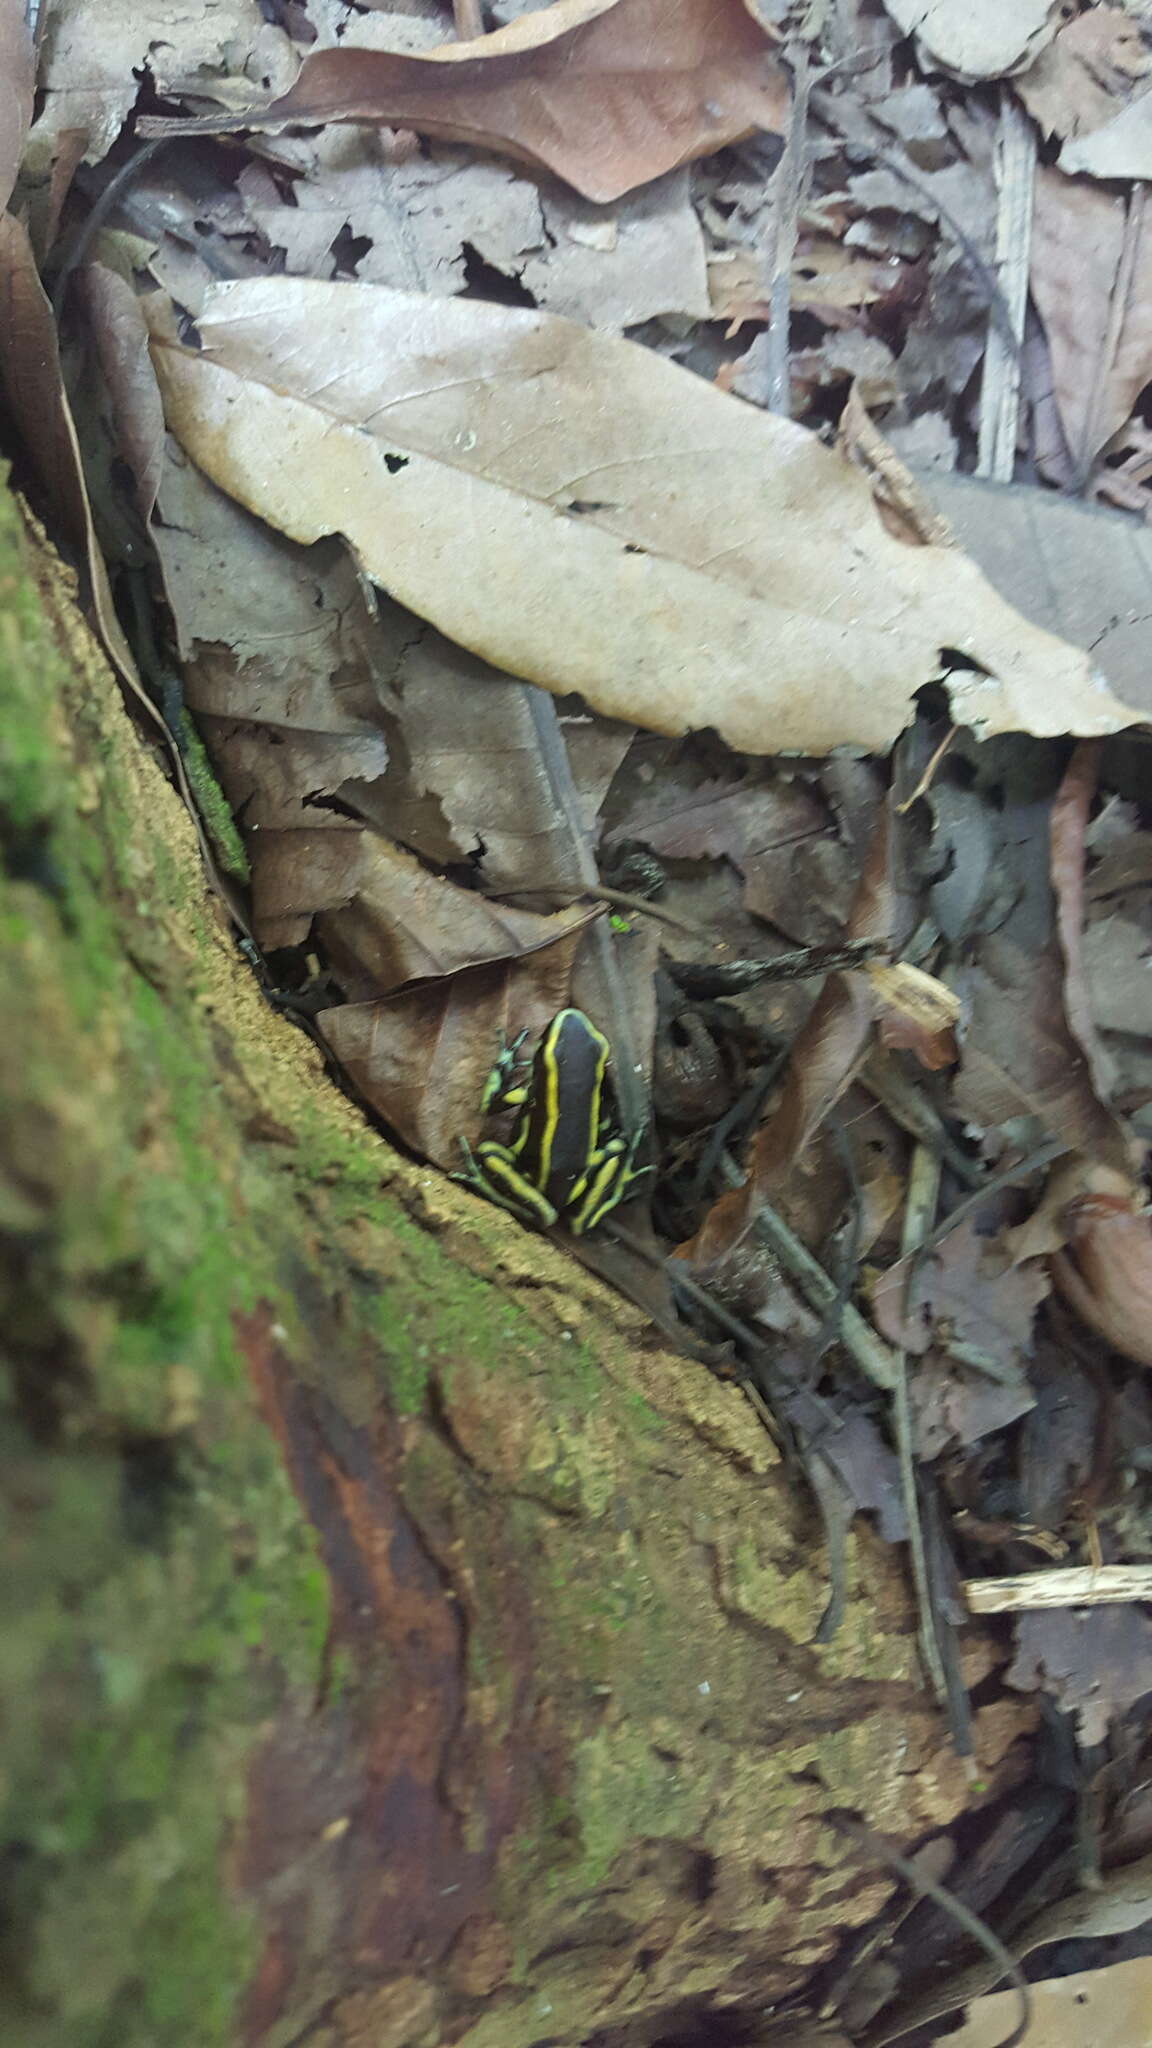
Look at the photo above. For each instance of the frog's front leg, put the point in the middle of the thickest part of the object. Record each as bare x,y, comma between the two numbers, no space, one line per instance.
495,1172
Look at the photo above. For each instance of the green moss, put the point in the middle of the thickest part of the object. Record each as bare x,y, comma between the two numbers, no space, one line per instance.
623,1790
162,1593
212,803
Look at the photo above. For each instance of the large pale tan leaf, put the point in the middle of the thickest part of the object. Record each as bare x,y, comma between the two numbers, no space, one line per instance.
1111,2008
606,93
591,517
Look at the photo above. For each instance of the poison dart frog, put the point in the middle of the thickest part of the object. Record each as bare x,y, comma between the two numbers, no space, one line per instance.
566,1159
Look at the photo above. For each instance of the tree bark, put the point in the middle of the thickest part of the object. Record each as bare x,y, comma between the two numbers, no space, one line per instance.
400,1647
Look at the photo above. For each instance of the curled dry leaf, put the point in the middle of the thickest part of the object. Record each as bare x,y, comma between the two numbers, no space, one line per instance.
1069,822
421,1057
591,517
32,387
917,1013
384,919
1104,1271
606,93
966,1292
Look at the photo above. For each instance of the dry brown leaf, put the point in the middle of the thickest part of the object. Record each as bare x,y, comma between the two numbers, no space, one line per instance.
582,513
384,920
32,386
825,275
1089,248
976,38
954,1404
1018,1057
606,93
1092,67
421,1058
17,78
1091,87
296,686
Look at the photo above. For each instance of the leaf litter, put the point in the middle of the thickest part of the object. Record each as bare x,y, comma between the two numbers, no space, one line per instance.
541,665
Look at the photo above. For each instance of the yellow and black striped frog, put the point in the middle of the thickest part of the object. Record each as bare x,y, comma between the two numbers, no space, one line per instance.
566,1160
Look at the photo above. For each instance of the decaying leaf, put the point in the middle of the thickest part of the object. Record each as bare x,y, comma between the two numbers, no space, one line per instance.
421,1057
976,38
121,339
595,519
1083,571
966,1292
1091,88
1021,1057
958,1404
1089,250
1095,1661
17,77
1093,67
425,219
606,93
825,1058
1121,149
95,55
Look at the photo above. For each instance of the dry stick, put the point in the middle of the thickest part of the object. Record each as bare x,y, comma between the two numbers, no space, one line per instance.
908,1107
1000,391
468,19
1085,1585
1009,1177
788,183
919,1214
872,1355
1117,314
631,1092
94,220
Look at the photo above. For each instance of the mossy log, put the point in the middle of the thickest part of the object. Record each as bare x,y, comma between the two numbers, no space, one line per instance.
399,1647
